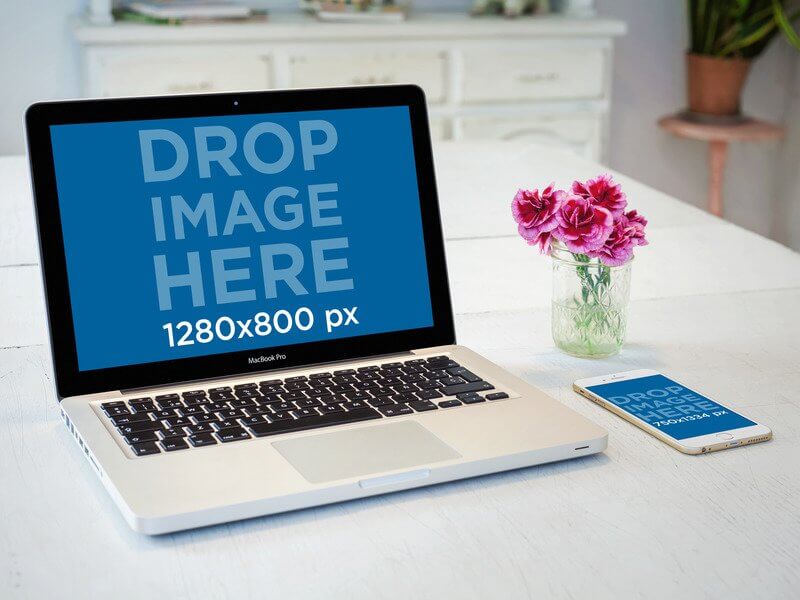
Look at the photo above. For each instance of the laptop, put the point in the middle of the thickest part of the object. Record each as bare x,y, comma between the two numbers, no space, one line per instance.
249,309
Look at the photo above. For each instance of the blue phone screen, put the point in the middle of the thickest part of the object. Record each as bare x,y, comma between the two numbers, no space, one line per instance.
668,406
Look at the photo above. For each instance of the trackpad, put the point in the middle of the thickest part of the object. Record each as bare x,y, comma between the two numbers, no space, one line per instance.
364,451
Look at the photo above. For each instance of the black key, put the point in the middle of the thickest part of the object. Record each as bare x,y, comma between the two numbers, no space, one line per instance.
172,433
202,428
202,439
130,418
192,410
340,389
304,413
413,370
477,386
232,434
174,443
448,381
437,359
405,389
430,384
142,405
165,414
297,386
496,396
471,398
308,403
281,416
224,388
429,394
270,382
140,400
167,397
270,399
217,406
339,418
292,396
404,398
296,378
449,403
356,395
382,392
391,365
245,394
414,378
468,376
356,405
194,393
231,413
145,448
141,438
176,422
422,405
416,361
192,401
324,375
283,406
344,372
382,401
220,396
261,410
395,410
115,411
139,427
368,368
246,386
225,424
254,420
169,403
115,404
206,418
330,409
272,389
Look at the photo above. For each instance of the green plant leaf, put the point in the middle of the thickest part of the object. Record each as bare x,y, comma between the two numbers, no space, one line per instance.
785,24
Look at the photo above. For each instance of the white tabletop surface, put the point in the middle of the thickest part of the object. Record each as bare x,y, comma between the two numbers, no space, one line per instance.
713,305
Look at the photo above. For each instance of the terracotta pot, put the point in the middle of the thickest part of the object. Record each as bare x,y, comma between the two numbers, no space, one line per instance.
715,84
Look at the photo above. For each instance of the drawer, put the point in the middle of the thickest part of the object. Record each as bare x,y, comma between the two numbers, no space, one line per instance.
361,67
134,74
528,73
578,133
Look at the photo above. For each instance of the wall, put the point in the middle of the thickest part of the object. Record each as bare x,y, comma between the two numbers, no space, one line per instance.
39,60
649,81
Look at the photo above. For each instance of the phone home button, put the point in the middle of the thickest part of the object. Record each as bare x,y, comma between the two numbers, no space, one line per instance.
724,436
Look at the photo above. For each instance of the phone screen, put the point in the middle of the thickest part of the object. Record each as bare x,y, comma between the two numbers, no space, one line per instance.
670,407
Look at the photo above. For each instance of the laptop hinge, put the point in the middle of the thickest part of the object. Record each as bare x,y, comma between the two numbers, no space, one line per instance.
254,374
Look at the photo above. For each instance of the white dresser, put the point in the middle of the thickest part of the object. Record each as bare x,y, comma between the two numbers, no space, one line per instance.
546,79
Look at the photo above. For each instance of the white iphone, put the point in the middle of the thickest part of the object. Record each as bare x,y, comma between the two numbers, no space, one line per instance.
683,418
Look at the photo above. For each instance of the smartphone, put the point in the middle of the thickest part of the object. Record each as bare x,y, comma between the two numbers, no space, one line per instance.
675,414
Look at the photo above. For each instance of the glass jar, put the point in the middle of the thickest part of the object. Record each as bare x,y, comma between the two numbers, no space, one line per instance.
590,304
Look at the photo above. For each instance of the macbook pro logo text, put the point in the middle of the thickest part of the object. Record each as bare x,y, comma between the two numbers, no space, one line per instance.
255,360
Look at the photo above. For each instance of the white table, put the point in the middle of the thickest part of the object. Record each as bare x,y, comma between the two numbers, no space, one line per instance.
713,305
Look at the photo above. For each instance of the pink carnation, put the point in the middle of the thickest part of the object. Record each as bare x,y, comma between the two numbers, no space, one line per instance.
603,192
582,225
534,213
638,223
618,248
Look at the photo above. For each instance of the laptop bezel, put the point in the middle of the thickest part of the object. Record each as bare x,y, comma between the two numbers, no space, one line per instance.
70,381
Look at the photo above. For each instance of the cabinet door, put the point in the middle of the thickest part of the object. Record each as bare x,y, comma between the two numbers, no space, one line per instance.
191,70
578,133
365,66
529,73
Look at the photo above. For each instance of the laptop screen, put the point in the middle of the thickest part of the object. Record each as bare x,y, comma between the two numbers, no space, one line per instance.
199,236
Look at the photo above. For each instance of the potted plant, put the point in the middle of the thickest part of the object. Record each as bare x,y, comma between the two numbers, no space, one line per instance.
724,38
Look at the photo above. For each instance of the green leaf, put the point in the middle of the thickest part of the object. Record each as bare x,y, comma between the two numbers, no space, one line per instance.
785,24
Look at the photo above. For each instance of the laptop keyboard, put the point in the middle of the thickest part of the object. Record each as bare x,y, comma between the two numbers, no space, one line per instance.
219,415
